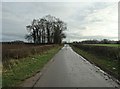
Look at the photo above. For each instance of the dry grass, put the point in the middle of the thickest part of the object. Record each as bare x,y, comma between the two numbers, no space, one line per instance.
18,51
24,68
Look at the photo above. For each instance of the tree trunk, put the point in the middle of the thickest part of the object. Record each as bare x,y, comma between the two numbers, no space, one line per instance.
48,35
34,36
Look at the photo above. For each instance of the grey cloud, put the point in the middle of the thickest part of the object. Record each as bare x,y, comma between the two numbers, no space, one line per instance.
16,15
12,36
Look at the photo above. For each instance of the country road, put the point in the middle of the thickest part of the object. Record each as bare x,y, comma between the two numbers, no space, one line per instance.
68,69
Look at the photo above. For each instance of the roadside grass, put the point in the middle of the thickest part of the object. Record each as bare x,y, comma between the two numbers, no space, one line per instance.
0,75
109,45
26,67
108,65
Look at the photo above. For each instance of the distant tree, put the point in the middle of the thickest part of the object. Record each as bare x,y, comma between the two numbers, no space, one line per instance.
17,42
48,29
31,29
90,42
59,27
28,37
105,41
118,42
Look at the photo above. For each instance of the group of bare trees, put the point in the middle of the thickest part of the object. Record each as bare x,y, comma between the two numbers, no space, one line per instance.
48,29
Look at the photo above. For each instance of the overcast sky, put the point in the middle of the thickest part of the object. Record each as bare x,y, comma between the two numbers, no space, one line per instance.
85,20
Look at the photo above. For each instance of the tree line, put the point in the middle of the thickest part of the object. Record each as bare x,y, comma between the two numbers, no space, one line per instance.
104,41
47,29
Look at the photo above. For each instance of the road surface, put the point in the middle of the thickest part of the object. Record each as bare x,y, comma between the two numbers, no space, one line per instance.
68,69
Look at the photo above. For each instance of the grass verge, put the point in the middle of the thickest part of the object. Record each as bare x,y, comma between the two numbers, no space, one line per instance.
108,65
26,67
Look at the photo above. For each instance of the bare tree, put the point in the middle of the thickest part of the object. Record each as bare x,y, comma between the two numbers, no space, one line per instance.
48,29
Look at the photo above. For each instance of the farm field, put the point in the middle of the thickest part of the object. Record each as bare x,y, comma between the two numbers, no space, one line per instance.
108,45
17,69
16,51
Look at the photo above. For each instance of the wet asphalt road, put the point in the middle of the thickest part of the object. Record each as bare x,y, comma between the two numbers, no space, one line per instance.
68,69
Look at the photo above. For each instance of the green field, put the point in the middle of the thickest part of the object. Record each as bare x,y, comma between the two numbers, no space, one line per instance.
109,45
